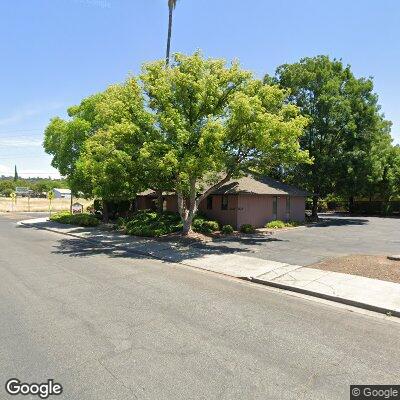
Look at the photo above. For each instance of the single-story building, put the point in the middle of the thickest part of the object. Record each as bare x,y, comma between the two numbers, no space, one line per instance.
247,200
62,193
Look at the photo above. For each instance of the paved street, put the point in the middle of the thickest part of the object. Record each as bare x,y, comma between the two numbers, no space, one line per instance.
110,326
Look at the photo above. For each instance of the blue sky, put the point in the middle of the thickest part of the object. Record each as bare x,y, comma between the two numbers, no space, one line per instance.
55,52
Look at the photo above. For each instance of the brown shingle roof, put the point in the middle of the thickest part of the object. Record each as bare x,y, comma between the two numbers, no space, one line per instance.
250,185
259,185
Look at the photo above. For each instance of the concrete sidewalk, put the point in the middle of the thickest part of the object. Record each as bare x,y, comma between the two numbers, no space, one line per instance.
371,294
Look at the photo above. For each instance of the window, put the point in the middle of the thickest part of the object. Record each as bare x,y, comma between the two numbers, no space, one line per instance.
224,203
209,203
275,207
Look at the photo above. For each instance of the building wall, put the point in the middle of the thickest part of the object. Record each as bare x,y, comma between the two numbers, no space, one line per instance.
144,203
257,210
172,203
254,209
149,203
59,195
298,209
224,217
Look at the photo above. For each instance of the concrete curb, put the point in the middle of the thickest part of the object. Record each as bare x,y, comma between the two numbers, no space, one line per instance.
276,285
319,295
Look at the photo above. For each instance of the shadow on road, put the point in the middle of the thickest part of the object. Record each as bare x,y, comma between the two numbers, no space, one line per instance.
335,221
167,252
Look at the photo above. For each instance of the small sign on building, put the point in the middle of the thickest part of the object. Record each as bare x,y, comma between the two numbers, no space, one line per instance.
77,208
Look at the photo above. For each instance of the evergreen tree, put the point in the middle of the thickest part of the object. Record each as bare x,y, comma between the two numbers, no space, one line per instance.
15,174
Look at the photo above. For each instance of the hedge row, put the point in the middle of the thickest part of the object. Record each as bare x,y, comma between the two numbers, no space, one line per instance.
75,219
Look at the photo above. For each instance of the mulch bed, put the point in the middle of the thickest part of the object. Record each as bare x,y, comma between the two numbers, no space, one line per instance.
375,267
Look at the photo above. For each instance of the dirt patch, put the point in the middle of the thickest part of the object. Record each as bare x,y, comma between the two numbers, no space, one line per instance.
376,267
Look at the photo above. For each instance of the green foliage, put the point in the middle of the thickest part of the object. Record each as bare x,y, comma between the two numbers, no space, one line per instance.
205,226
186,128
152,224
38,185
278,224
198,223
275,224
247,228
227,229
346,130
75,219
7,192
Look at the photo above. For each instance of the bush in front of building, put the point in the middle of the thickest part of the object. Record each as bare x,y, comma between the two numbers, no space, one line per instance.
75,219
277,224
151,224
247,228
202,225
227,230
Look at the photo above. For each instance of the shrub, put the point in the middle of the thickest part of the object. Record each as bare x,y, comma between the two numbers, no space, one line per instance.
204,226
227,229
247,228
198,224
121,223
152,224
275,224
75,219
292,224
7,192
280,224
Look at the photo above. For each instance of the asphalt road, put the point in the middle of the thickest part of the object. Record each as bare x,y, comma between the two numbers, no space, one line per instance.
336,236
109,327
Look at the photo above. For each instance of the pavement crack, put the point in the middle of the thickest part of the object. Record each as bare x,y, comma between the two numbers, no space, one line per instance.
118,380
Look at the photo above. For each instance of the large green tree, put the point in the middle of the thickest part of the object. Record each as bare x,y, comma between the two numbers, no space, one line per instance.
97,148
216,122
345,122
65,139
187,129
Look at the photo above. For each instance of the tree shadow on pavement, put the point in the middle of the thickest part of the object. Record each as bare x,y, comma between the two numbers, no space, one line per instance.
328,222
164,251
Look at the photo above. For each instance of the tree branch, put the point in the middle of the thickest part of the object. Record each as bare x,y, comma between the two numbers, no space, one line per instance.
214,187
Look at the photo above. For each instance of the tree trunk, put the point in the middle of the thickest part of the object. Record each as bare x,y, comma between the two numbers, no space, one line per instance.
187,225
315,206
105,212
160,201
70,204
167,58
187,215
351,204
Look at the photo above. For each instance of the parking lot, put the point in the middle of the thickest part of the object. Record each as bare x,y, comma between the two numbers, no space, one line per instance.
334,236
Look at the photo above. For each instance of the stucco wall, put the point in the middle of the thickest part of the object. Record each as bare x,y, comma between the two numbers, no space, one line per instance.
257,210
172,203
148,203
298,212
224,217
144,203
